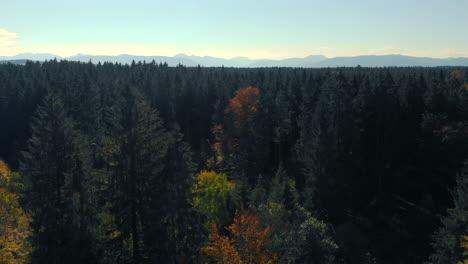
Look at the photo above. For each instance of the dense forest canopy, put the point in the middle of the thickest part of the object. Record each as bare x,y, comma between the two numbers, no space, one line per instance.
146,163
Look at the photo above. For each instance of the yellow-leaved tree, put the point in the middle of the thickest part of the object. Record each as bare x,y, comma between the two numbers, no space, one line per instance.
465,252
211,193
14,222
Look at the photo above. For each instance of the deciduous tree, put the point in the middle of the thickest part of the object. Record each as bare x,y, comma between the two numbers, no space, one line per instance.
14,223
211,193
250,243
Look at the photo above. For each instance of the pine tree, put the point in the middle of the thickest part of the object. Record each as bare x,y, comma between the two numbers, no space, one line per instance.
447,240
317,147
55,170
317,243
141,145
180,227
283,123
278,186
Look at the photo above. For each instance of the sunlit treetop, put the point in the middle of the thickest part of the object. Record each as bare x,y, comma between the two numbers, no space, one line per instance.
250,242
211,192
5,173
243,106
14,223
458,74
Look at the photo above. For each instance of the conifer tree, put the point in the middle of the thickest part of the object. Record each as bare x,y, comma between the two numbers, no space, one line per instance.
448,239
141,141
180,227
54,169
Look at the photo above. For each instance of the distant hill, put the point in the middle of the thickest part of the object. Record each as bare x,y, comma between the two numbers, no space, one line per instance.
209,61
13,61
31,56
390,60
128,59
306,62
313,61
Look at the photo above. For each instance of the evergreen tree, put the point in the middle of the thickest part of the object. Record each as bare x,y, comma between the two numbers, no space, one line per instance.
141,145
179,226
448,239
55,173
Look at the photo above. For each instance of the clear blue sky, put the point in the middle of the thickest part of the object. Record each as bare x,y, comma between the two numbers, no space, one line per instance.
251,28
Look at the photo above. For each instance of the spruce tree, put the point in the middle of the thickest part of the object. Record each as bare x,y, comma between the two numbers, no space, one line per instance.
55,169
141,143
448,239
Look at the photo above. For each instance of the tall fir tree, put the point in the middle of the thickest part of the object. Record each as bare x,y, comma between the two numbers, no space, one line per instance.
55,171
141,140
448,239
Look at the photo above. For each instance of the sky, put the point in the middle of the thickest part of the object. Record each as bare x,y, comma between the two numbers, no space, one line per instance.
269,29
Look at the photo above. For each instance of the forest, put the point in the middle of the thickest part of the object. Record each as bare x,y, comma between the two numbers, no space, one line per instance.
144,163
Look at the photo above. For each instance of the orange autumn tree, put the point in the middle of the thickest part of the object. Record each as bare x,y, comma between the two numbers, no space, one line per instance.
235,137
222,249
250,243
14,223
243,107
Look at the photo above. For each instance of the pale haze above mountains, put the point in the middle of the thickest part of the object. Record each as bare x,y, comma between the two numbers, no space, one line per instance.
314,61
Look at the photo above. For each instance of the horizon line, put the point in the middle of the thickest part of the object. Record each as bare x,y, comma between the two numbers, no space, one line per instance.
236,57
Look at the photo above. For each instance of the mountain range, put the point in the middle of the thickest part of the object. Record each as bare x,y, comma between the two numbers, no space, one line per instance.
314,61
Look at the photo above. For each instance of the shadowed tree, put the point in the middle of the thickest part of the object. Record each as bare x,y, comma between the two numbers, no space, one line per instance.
55,173
447,240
